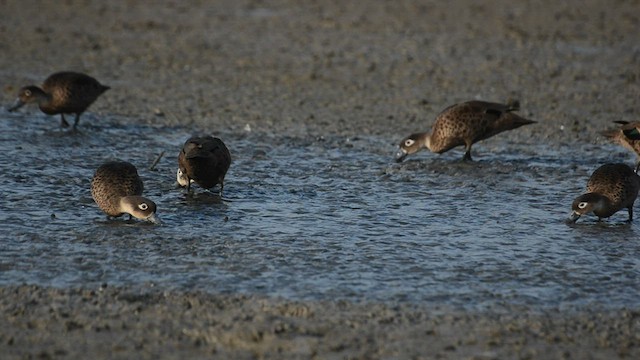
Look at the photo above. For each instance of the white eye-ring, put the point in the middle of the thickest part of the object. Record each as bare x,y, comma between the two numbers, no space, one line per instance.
409,142
143,206
583,205
27,92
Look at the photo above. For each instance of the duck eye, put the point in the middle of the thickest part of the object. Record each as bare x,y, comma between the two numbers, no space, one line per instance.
583,205
27,92
143,206
409,142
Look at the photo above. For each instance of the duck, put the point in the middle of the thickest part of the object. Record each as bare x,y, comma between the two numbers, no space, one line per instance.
626,135
611,188
463,124
65,92
117,189
203,160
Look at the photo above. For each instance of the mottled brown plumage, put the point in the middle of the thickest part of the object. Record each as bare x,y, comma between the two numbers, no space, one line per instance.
62,93
626,135
463,124
203,160
611,188
117,189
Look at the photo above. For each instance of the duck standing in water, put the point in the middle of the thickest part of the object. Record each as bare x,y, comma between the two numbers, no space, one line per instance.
611,188
62,93
204,160
463,124
117,189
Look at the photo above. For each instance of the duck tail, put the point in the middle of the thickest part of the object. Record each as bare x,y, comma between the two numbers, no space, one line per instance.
522,121
512,121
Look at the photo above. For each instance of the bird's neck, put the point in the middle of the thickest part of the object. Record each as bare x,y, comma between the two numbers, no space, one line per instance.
127,205
427,140
601,206
42,98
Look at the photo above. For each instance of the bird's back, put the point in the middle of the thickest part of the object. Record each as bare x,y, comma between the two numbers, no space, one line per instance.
112,181
472,121
618,182
71,92
205,159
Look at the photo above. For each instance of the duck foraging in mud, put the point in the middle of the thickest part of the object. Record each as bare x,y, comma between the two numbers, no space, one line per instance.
611,188
204,160
463,124
117,189
62,93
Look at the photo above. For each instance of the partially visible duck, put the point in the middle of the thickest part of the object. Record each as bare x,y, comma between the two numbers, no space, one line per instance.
627,135
463,124
62,93
611,188
204,160
117,189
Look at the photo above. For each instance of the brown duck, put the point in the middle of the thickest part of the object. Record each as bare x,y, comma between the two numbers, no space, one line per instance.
611,188
62,93
463,124
627,135
117,189
203,160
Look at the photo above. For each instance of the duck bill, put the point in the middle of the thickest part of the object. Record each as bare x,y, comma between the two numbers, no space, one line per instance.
16,105
154,219
574,216
401,154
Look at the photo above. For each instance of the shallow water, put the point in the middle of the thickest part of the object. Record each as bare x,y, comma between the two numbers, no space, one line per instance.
317,218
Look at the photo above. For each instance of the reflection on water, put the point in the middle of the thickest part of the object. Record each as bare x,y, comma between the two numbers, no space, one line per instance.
317,218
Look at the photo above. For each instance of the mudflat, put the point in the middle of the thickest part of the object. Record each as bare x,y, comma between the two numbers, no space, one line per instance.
315,68
149,323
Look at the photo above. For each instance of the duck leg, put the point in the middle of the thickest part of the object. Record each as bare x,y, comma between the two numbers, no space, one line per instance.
630,209
75,123
467,154
63,121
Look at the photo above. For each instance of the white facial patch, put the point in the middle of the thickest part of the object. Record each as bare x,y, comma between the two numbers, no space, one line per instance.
181,178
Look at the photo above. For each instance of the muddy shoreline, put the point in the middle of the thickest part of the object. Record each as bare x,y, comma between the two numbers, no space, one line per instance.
310,69
306,68
119,322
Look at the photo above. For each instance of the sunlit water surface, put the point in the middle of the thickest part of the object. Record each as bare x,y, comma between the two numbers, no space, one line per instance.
317,218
